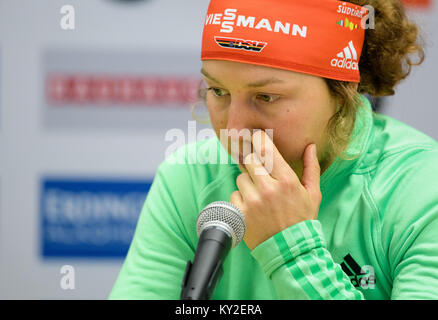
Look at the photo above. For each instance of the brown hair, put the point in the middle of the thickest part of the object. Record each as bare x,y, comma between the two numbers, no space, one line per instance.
386,60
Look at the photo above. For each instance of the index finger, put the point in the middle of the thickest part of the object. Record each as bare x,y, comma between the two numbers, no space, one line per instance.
268,153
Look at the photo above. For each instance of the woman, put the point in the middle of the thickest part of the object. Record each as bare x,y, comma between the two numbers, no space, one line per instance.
349,209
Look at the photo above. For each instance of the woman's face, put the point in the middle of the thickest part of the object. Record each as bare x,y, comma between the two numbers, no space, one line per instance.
296,106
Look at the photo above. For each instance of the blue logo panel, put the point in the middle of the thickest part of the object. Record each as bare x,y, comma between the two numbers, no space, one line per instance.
89,218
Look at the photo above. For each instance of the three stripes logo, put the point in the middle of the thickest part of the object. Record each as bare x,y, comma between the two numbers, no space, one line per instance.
240,44
347,58
362,277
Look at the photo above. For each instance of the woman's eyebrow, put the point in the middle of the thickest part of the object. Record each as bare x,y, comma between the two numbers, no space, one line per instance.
256,84
264,82
207,75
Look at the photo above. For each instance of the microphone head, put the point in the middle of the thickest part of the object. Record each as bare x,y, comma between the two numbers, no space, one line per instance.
224,215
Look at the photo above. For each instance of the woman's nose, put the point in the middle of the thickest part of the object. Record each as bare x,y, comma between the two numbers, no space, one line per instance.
242,120
241,116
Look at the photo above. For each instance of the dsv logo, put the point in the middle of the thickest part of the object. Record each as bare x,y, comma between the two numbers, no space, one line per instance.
233,43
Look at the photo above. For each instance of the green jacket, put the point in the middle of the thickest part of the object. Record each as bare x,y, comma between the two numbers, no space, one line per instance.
376,236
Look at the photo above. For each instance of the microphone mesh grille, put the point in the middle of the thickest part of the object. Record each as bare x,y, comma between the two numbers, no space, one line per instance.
223,214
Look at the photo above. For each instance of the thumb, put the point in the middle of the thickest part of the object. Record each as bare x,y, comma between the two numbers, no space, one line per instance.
311,172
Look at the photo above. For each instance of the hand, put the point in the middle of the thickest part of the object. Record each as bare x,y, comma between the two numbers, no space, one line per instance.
273,201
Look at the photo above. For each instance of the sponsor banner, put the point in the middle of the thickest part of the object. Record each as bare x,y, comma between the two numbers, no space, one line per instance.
418,4
93,90
89,218
128,89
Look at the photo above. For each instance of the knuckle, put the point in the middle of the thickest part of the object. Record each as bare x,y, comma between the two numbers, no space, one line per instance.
288,183
254,201
268,190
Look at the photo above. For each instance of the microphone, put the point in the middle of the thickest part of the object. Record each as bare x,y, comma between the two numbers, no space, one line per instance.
220,227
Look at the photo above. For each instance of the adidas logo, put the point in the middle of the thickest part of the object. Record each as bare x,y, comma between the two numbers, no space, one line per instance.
347,58
362,277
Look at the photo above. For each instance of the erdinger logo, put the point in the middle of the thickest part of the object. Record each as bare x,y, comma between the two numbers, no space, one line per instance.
240,44
347,58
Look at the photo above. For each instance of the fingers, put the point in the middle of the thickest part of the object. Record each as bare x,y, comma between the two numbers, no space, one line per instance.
310,178
255,169
246,186
268,153
257,175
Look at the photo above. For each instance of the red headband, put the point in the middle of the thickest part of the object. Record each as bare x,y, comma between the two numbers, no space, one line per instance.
318,37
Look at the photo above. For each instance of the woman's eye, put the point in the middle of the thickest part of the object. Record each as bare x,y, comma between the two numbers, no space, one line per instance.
217,92
267,98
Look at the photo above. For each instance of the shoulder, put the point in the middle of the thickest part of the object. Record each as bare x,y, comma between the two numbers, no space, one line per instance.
402,169
400,158
397,148
394,136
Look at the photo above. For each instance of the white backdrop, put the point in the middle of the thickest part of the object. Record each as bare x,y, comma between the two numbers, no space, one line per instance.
36,142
